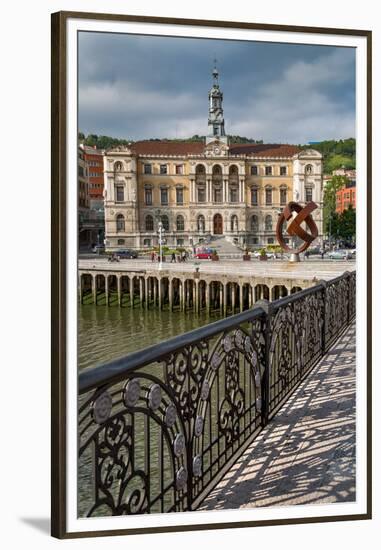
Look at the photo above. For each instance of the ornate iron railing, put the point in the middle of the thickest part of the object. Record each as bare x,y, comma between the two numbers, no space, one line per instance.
159,428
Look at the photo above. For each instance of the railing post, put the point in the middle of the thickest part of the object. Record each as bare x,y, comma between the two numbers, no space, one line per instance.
323,315
348,280
265,384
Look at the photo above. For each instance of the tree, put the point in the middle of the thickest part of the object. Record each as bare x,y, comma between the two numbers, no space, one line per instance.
336,153
347,224
338,161
329,199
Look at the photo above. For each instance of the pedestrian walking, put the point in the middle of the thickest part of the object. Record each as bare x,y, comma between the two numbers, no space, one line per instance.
152,256
173,258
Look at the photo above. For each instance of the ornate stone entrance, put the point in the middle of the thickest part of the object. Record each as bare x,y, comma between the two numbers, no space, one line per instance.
217,224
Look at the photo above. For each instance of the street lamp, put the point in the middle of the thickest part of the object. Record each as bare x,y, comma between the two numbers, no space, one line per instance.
160,231
330,230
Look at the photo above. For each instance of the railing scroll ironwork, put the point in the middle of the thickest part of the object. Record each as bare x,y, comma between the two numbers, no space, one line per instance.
159,428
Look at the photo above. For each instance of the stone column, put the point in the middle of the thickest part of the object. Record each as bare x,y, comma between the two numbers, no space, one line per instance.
241,191
106,290
94,288
182,296
197,299
132,291
208,190
251,296
170,292
160,292
224,197
241,298
146,292
225,299
192,191
118,290
233,297
207,297
141,290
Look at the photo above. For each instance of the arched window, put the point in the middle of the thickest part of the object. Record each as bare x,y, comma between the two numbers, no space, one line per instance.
268,223
308,169
201,223
254,223
217,170
120,222
149,223
165,222
118,167
233,170
200,169
180,223
234,223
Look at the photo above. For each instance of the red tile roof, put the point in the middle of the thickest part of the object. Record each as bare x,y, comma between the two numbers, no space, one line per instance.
197,148
168,147
263,150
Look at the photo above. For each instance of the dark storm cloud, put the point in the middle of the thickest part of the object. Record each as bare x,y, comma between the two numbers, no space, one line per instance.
140,87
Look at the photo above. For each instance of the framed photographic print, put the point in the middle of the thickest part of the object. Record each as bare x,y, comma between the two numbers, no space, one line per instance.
211,298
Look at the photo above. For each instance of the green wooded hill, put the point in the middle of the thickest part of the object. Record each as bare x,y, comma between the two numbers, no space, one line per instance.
336,153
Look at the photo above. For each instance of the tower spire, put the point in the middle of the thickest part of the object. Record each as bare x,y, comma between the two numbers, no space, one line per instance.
216,122
215,72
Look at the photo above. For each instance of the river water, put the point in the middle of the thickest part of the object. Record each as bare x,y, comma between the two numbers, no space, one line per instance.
105,333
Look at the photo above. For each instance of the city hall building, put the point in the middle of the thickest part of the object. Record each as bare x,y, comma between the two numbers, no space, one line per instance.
202,189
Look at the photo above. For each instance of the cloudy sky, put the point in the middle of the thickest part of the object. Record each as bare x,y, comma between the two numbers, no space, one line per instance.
139,87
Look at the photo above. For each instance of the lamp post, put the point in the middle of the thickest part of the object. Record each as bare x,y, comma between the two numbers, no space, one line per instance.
330,230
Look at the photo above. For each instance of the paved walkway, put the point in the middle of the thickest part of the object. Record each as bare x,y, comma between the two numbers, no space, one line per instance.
306,454
327,269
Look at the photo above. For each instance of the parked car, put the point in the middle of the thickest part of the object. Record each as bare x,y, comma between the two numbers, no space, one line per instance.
203,255
314,250
339,255
127,254
257,253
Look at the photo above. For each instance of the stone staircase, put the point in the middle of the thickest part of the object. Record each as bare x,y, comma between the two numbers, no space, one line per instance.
225,249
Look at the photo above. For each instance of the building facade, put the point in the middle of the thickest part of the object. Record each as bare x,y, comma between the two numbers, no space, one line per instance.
201,189
346,196
90,200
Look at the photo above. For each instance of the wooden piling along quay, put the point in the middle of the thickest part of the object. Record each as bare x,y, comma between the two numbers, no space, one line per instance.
182,291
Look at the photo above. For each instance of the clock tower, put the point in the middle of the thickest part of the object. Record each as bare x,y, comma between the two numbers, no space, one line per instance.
216,122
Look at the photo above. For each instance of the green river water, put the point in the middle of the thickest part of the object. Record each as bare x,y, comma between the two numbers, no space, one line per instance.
105,333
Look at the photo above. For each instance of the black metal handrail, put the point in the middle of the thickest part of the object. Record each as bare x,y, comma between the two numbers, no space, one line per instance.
114,370
160,427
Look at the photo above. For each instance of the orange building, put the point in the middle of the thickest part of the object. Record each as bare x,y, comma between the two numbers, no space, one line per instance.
94,162
346,197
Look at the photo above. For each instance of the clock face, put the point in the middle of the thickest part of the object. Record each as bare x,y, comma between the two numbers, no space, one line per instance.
216,150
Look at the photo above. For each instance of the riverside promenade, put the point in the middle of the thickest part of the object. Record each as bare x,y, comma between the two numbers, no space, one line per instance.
307,453
229,285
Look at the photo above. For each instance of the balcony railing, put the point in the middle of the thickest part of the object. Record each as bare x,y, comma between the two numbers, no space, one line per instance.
160,427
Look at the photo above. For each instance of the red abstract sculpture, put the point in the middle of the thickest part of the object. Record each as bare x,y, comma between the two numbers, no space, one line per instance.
294,229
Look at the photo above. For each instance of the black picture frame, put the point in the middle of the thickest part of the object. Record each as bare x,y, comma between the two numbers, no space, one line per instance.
59,265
